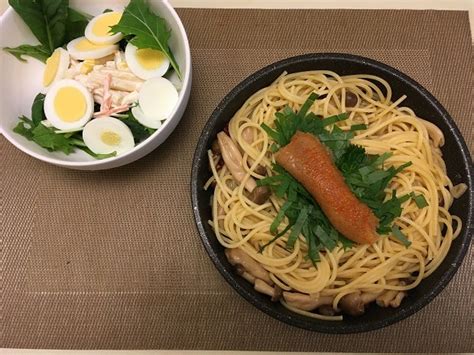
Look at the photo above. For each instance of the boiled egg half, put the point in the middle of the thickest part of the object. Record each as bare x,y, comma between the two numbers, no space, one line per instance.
157,99
98,29
82,49
147,121
146,63
56,67
105,135
68,105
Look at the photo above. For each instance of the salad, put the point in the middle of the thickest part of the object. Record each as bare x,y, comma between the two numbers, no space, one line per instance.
110,81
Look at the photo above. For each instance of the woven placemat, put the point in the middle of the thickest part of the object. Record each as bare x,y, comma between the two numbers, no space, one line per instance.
112,259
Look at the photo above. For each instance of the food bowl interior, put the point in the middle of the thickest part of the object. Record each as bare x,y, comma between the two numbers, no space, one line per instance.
455,152
21,82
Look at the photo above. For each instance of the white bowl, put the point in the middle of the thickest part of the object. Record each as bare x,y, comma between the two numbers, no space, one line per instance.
20,82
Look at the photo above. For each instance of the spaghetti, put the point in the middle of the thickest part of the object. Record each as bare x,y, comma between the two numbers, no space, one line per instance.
383,271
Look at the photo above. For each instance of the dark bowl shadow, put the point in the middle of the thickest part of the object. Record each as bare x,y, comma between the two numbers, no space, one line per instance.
455,151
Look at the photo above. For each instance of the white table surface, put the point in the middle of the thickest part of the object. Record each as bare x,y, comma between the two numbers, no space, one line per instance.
320,4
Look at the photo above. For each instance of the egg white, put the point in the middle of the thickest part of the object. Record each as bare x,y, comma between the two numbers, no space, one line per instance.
94,38
64,61
50,111
138,69
158,98
96,53
93,131
147,121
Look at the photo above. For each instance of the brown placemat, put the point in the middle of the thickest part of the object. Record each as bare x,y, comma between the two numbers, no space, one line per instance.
112,259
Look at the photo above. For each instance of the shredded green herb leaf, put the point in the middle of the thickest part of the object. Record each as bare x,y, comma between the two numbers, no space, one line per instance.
364,174
397,233
304,216
420,201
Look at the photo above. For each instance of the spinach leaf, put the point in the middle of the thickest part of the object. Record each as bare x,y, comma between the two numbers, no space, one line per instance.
38,52
45,18
37,111
139,132
75,25
52,22
149,30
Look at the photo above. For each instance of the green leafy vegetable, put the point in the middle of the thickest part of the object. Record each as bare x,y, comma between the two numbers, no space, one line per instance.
47,137
420,201
368,181
364,174
45,18
297,227
76,24
37,111
397,233
97,156
44,136
52,22
24,128
149,30
304,216
38,52
76,139
358,127
140,132
287,122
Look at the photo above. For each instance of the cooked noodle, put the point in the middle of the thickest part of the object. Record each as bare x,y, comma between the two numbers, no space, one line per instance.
384,268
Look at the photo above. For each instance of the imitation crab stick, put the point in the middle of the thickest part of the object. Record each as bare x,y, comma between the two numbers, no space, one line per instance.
308,161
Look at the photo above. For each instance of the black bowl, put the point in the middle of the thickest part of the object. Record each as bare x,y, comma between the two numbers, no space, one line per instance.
455,151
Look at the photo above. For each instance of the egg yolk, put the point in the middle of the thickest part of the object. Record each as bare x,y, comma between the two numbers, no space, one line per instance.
85,45
149,58
110,138
87,66
52,65
102,26
70,104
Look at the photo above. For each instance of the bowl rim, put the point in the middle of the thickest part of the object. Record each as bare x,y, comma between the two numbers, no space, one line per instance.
186,81
306,322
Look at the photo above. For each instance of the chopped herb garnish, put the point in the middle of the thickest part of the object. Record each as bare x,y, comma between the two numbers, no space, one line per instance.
397,233
304,216
363,173
420,201
358,127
